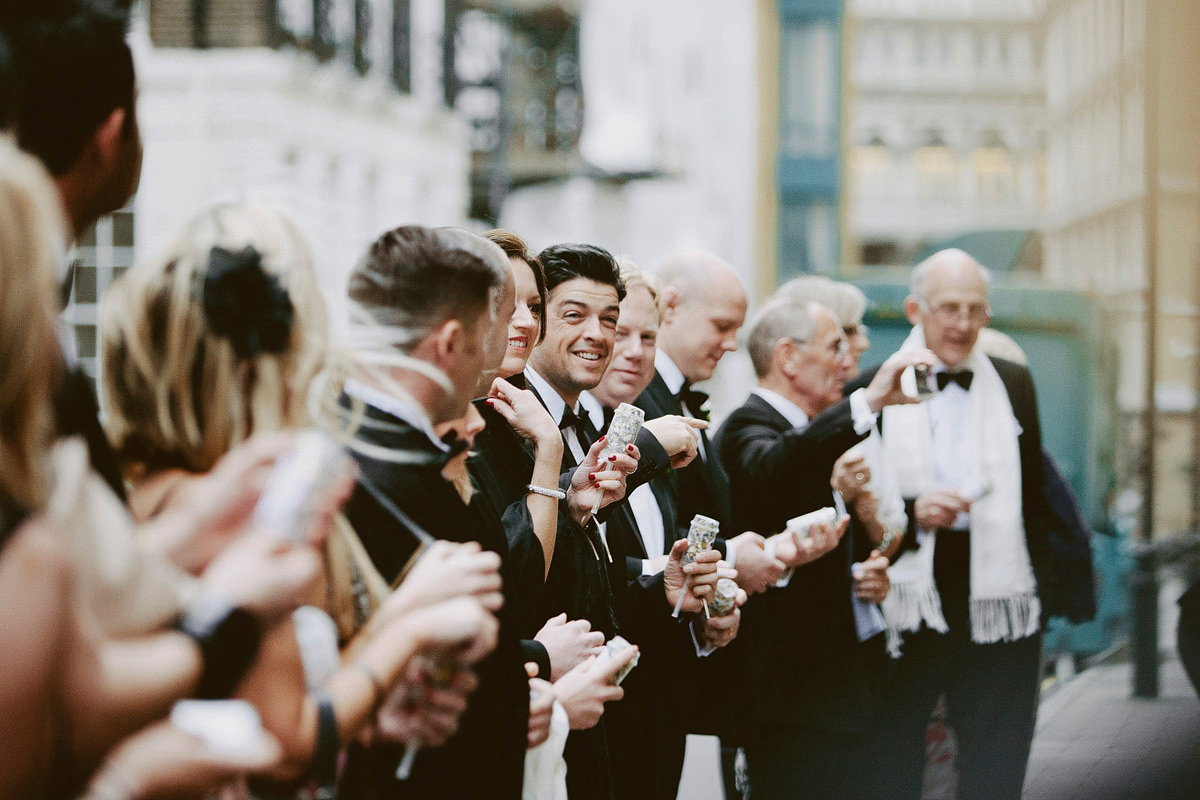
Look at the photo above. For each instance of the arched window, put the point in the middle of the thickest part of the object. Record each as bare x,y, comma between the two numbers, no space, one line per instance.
937,169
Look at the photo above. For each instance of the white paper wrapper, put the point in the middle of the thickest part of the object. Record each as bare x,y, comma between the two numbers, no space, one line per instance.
701,535
288,503
805,522
724,599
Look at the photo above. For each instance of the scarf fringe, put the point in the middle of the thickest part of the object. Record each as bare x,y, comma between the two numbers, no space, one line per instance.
907,605
996,619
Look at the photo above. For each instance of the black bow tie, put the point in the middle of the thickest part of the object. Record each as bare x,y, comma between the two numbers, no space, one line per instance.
962,378
455,443
694,401
569,420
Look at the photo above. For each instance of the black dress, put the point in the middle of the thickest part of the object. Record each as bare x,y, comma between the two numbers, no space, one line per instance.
486,757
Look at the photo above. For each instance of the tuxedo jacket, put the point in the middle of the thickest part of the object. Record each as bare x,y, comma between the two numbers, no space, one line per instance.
485,758
806,666
702,486
1038,517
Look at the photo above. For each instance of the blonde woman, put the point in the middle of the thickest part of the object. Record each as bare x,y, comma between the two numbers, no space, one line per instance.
226,336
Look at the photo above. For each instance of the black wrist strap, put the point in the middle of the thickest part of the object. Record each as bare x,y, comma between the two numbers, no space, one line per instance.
228,640
329,744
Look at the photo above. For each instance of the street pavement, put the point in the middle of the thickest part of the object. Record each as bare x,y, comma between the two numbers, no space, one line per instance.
1094,741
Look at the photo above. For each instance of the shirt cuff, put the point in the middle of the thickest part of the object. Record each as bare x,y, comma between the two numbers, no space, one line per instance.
860,412
770,546
647,569
702,650
730,552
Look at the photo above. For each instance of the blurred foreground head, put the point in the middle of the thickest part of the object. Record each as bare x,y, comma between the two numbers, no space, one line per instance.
948,297
31,236
75,101
705,307
426,305
220,337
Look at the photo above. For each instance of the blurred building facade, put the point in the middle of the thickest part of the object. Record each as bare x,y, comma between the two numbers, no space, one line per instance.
946,129
665,159
335,110
1115,73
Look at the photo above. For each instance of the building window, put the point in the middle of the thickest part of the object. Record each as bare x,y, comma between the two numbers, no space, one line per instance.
104,253
810,89
995,170
402,45
937,170
808,237
873,165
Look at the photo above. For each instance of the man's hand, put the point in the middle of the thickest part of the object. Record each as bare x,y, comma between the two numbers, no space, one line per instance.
416,712
699,578
720,631
756,570
599,480
568,643
541,708
583,692
871,581
851,475
679,436
939,508
884,389
795,548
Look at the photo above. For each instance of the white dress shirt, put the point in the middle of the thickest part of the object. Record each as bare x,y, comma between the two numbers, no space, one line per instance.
557,407
953,447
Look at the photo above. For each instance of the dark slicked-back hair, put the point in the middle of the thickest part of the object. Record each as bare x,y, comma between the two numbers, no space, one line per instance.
73,69
564,262
515,247
414,278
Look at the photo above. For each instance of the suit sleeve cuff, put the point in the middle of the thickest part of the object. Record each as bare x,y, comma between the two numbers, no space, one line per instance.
860,412
770,546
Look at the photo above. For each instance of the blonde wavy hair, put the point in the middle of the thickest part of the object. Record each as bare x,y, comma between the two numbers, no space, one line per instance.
32,236
634,276
175,393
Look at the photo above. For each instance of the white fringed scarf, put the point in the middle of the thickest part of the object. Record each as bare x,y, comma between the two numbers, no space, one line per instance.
1004,604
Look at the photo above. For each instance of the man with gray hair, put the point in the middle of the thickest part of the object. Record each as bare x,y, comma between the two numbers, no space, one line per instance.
820,629
971,580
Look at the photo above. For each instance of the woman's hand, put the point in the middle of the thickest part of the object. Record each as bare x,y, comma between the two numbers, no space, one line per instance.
600,480
162,761
528,417
444,571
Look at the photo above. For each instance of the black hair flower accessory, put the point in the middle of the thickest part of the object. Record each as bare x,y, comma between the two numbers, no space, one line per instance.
246,304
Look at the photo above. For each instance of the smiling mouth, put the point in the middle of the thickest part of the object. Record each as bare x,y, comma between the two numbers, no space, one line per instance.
519,343
590,357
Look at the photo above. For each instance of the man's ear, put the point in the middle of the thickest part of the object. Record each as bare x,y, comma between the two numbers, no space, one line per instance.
912,310
781,357
448,341
106,141
671,301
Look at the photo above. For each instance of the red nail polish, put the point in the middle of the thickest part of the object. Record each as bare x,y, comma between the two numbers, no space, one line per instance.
597,486
602,438
629,448
591,476
613,457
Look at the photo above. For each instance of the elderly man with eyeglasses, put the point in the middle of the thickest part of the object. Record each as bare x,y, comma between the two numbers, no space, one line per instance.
970,583
815,641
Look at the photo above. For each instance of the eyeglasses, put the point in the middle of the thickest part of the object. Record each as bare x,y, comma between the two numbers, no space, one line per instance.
949,313
839,348
856,330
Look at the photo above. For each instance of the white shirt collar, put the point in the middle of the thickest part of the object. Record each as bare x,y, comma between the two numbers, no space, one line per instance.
550,396
790,411
593,408
671,374
407,410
